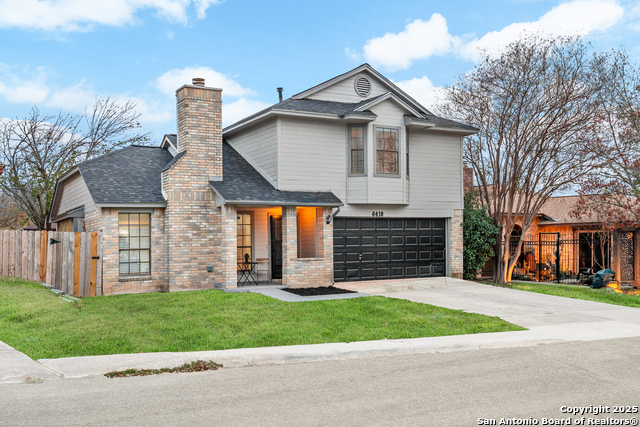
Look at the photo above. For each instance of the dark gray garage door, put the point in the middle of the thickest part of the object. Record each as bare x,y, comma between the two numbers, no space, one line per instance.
381,248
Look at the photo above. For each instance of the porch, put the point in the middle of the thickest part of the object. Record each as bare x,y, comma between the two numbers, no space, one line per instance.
283,245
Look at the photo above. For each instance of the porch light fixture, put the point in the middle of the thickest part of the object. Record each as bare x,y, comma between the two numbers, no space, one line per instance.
329,218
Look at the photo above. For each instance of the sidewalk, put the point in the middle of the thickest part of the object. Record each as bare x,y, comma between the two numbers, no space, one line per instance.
549,319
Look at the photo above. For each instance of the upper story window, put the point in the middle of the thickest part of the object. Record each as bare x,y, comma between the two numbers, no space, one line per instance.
356,148
134,236
387,151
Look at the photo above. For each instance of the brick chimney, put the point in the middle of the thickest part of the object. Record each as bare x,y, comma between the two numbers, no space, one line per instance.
192,221
467,178
200,128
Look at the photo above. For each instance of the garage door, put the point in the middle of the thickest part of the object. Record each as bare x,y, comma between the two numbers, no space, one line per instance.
381,248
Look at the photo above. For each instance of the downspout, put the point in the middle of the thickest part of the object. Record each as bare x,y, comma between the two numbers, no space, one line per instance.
333,215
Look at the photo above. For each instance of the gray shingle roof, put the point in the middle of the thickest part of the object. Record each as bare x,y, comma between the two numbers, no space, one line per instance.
242,184
172,161
446,123
129,175
342,109
315,106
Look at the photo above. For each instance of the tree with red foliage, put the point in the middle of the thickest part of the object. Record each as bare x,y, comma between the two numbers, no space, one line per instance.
611,192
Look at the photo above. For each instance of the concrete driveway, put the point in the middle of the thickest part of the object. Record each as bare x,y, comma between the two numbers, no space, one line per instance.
546,316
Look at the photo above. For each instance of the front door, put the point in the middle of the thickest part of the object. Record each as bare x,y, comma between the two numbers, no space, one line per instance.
275,227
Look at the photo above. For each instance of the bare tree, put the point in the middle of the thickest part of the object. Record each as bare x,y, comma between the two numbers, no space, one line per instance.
11,217
38,149
611,192
532,106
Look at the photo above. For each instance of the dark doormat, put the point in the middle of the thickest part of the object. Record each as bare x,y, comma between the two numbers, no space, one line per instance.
322,290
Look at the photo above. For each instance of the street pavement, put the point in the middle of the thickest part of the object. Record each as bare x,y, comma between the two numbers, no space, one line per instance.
438,389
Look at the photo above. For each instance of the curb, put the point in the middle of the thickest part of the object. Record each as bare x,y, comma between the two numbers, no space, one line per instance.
86,366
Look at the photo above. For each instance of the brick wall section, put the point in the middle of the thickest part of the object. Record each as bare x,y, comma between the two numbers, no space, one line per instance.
195,236
93,221
306,272
455,243
106,220
229,230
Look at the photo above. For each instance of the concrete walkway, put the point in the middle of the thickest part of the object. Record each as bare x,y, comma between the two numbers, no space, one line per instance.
549,319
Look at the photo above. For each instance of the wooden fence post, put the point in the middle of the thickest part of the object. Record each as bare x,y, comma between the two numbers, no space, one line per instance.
43,256
76,265
99,266
94,263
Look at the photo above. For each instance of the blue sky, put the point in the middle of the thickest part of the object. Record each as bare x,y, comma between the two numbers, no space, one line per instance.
60,54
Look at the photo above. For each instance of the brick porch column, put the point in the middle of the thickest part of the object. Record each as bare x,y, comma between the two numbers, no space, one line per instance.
455,245
289,244
229,228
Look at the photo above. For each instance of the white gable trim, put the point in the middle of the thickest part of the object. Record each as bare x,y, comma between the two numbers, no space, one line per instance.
364,67
386,96
166,143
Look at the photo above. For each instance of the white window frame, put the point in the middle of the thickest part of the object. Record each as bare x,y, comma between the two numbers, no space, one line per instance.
364,148
399,149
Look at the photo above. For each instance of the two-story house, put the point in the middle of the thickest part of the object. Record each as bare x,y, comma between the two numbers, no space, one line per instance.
351,179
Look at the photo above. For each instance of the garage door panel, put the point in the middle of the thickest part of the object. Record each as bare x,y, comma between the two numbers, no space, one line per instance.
382,224
368,241
424,240
368,257
383,248
397,240
382,256
382,240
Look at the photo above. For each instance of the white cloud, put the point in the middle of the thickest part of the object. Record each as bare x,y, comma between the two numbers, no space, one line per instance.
573,18
419,40
22,91
240,109
73,98
173,79
151,111
82,15
352,54
423,90
203,5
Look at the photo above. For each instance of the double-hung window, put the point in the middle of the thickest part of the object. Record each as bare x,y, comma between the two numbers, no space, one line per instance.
134,241
387,151
357,138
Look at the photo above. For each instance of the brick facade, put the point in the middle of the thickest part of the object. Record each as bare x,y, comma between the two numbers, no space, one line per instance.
106,220
455,243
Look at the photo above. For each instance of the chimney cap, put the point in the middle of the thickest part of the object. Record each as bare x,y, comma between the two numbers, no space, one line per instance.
197,81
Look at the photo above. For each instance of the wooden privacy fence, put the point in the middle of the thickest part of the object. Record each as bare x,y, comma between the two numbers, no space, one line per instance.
69,262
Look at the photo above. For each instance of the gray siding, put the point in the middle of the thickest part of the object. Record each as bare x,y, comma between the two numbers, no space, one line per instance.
74,194
259,145
313,155
314,158
344,91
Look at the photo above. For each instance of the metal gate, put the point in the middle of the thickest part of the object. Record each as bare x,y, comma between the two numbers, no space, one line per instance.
556,258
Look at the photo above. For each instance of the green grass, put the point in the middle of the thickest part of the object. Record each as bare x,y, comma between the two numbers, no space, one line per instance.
38,323
577,292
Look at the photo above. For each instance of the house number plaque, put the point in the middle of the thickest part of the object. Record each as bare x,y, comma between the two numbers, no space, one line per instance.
377,214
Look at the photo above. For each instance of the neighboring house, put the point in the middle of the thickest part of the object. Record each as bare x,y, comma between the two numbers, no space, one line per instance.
349,180
584,246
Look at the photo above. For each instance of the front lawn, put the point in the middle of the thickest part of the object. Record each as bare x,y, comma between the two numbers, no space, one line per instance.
605,295
36,322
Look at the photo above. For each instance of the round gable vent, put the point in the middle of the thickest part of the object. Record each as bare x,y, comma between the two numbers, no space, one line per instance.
363,86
